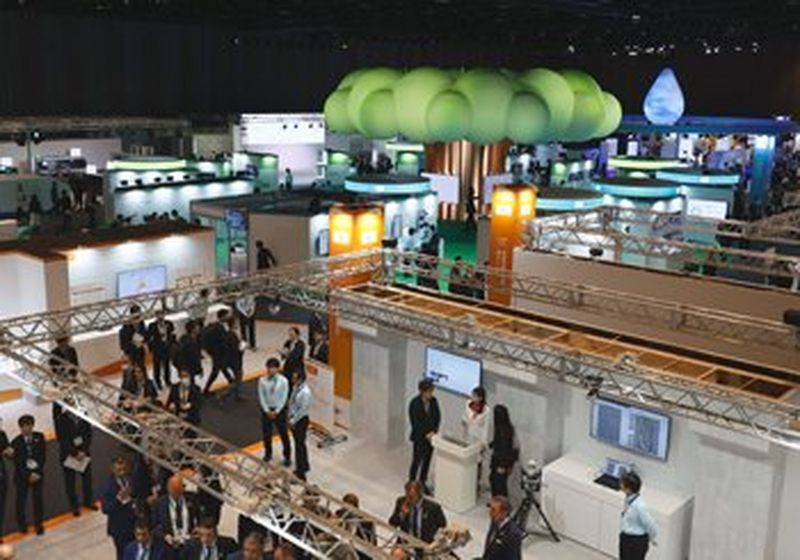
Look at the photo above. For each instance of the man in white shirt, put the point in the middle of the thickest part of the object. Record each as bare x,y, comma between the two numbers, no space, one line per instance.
299,407
638,530
273,395
246,312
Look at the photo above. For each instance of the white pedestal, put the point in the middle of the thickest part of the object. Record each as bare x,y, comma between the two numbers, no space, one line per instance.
456,473
589,513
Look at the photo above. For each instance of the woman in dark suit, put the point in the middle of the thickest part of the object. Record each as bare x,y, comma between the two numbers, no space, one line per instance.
505,451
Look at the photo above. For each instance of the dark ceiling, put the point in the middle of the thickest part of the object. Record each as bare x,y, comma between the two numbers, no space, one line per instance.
617,26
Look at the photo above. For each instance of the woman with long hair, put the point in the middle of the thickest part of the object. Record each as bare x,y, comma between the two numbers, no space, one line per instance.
505,451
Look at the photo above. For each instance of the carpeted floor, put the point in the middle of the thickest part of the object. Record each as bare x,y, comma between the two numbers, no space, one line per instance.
236,422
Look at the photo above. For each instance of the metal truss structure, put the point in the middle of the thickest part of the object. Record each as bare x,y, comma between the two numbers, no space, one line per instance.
697,321
774,421
610,228
298,512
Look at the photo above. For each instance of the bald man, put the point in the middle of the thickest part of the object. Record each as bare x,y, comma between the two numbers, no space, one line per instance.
175,517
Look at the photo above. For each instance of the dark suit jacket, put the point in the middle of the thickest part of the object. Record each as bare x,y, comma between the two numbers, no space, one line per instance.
69,354
193,414
422,422
240,556
121,517
144,479
433,519
194,548
21,456
161,518
504,543
3,446
126,333
294,359
131,385
320,353
73,434
157,551
213,339
188,356
158,344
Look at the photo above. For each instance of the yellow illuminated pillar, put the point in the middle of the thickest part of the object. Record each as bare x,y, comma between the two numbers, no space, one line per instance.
352,228
513,206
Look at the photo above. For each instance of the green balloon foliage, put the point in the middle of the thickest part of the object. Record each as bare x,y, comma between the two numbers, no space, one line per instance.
336,111
555,91
528,118
481,105
613,116
489,94
413,94
449,117
363,85
377,115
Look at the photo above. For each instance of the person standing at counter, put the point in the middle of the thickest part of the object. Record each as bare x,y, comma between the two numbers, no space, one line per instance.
505,451
638,529
476,423
424,415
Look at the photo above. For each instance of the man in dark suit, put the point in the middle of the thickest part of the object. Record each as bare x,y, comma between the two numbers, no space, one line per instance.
74,435
416,514
127,335
160,340
208,545
184,399
29,459
145,545
293,353
424,415
252,549
62,353
6,451
214,341
319,349
175,517
188,355
504,540
118,501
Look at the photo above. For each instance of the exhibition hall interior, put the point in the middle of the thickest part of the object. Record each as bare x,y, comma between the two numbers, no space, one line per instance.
422,280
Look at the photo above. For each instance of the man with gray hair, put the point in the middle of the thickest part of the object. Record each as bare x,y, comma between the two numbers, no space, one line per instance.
504,540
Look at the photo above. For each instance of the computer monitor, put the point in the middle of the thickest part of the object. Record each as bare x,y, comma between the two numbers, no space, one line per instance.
636,429
451,372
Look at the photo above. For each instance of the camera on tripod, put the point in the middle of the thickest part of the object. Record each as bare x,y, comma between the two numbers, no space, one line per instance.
531,479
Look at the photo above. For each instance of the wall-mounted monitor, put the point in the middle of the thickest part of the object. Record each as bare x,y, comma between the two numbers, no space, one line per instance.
640,430
451,372
141,281
446,187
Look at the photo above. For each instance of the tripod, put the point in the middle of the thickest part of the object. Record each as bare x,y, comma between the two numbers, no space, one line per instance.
523,513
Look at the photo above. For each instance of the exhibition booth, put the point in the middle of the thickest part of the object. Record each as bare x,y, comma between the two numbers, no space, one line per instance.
144,185
17,190
295,225
50,273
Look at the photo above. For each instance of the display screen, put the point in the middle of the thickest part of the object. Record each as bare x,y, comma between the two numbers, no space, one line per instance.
714,209
489,183
452,372
446,187
141,281
636,429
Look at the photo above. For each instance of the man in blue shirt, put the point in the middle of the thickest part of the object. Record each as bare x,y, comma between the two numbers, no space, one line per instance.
638,528
299,406
273,394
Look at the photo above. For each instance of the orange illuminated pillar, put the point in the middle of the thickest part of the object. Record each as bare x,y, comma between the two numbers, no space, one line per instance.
352,228
513,206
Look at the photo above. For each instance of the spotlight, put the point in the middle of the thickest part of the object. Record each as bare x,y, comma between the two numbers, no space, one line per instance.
36,137
274,307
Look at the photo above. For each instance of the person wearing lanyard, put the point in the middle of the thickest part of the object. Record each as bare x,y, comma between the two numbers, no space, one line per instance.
299,406
209,545
273,394
175,518
416,515
118,504
184,398
504,540
74,435
29,459
144,546
638,528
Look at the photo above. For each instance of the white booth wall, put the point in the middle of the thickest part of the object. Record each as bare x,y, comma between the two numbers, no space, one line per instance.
742,487
93,270
96,151
139,202
29,284
291,238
